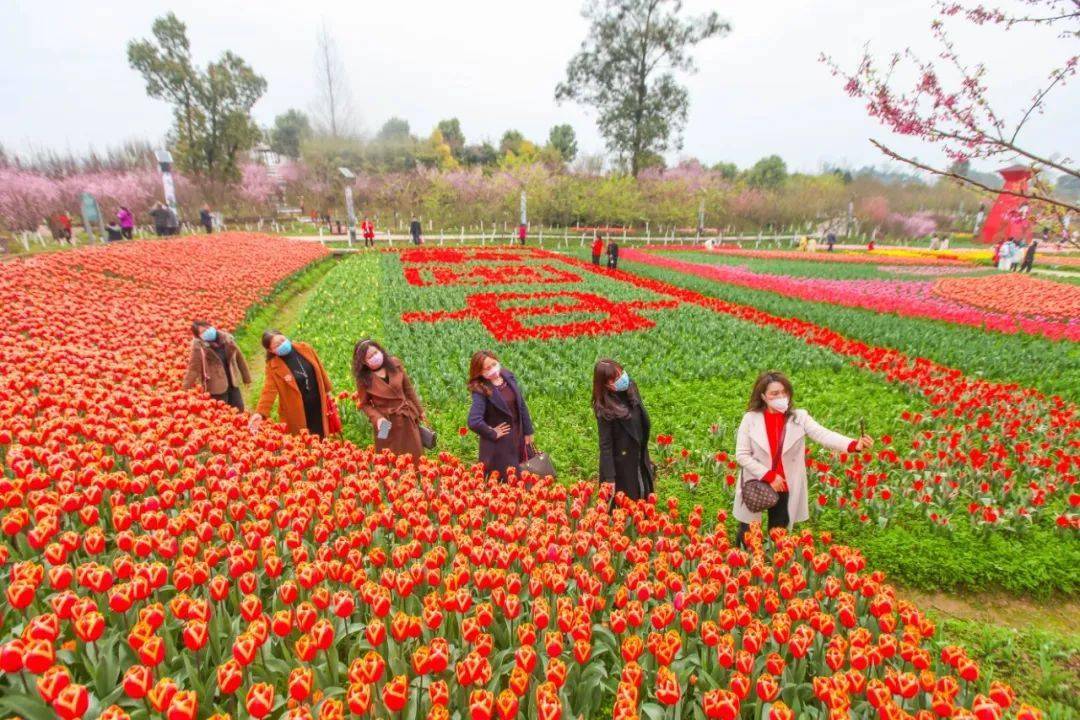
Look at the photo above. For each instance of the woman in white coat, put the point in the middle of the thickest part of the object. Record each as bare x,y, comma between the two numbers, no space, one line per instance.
771,446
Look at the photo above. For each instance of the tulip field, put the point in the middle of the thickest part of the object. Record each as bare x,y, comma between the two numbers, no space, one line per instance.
159,560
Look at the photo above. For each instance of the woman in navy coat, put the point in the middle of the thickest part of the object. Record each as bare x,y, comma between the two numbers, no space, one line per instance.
498,414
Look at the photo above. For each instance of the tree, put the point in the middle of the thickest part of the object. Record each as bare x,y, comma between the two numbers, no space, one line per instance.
563,139
625,70
482,154
290,129
511,142
949,104
333,101
768,172
452,135
726,170
212,122
394,129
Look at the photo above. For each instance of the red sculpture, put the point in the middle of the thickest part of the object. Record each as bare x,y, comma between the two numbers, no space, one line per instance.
1008,217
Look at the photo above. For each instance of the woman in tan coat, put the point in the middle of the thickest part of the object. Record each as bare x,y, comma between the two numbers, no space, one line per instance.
296,380
386,395
216,364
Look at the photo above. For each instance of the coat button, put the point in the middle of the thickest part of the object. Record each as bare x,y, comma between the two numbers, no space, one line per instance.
623,452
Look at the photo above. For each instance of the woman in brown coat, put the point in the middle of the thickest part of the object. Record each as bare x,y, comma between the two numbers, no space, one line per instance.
386,395
216,364
296,380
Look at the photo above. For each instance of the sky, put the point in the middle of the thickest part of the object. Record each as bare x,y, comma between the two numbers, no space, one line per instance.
494,65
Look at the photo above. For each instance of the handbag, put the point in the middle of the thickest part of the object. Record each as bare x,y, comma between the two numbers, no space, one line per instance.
539,463
428,437
333,417
758,495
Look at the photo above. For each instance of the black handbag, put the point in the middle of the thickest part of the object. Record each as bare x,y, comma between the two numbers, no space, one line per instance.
539,463
428,437
758,495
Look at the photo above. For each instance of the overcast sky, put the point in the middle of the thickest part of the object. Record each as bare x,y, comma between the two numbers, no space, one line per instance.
494,64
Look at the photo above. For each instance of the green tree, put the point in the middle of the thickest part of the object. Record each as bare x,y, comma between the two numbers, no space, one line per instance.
563,139
727,170
212,122
394,129
452,135
511,142
768,172
290,129
482,154
625,70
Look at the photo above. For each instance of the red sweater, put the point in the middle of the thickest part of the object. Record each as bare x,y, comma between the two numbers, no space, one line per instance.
774,430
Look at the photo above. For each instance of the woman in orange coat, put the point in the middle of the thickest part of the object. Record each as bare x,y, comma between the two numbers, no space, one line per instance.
296,380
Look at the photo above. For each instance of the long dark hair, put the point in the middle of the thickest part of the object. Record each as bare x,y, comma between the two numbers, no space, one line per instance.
477,381
757,402
605,403
197,326
360,370
268,335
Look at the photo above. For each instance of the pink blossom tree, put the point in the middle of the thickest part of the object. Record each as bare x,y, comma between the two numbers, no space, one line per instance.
948,102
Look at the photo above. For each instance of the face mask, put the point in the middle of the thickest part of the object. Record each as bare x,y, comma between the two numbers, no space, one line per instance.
622,382
209,334
779,404
375,361
284,348
493,371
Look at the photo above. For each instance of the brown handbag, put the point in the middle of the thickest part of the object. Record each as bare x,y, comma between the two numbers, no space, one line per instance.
758,495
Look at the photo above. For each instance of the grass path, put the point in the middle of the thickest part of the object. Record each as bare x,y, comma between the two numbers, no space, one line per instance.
281,312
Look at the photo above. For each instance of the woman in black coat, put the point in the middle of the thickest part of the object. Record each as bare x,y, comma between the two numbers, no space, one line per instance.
623,424
498,414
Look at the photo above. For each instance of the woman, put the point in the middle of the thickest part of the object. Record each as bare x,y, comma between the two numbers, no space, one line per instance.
216,364
386,395
296,380
770,446
498,414
127,222
597,249
623,425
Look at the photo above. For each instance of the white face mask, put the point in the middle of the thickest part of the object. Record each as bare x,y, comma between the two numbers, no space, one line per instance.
779,404
493,372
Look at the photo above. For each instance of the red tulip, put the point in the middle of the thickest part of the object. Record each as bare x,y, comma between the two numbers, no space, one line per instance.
395,693
72,702
259,700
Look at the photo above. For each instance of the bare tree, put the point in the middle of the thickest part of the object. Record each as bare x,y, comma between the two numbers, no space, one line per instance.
332,109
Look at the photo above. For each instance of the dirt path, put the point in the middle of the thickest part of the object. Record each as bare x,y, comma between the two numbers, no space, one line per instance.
1060,615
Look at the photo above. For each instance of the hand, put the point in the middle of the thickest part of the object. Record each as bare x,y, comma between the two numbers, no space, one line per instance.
528,439
255,423
501,430
864,443
779,484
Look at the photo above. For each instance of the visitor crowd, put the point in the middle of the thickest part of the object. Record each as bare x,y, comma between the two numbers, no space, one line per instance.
770,443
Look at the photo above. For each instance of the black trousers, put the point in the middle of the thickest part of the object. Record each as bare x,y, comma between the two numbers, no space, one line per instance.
777,517
232,397
596,260
415,239
613,262
1026,265
126,233
369,242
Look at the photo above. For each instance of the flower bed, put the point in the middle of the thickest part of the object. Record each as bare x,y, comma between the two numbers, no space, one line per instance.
1014,292
909,299
158,559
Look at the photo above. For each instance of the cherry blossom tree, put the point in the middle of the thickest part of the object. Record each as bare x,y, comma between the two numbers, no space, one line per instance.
948,102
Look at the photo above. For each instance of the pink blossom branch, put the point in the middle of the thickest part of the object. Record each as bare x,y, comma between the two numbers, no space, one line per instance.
1035,197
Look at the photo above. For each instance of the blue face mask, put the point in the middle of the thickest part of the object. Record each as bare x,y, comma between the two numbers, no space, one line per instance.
622,383
284,348
209,334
